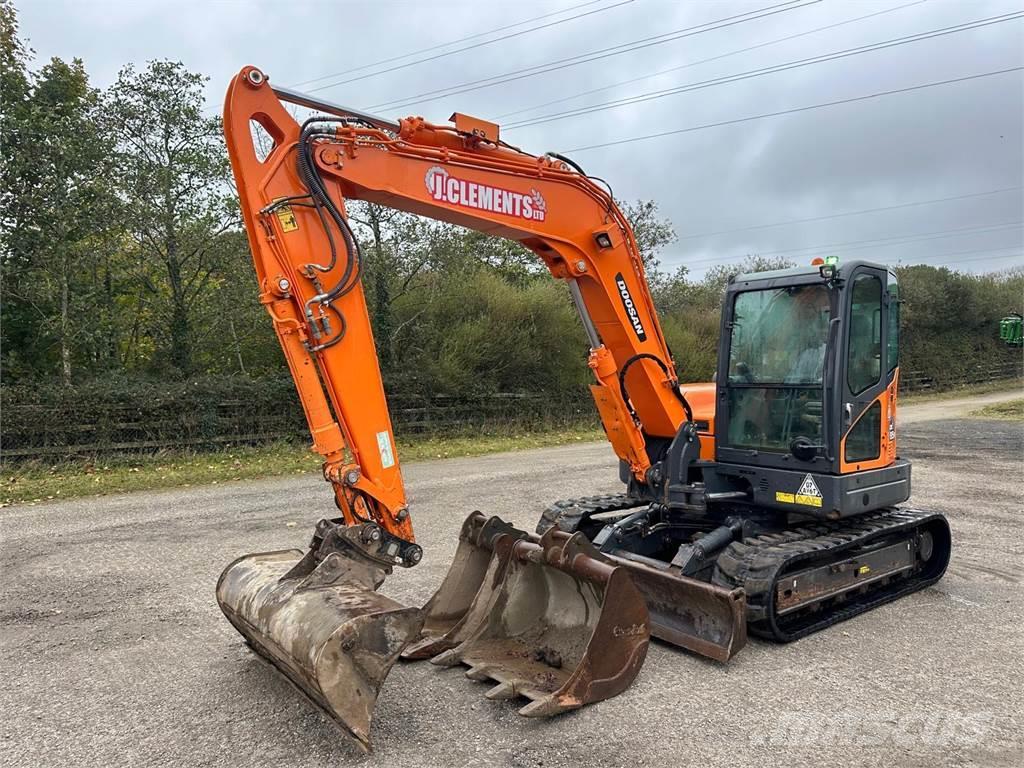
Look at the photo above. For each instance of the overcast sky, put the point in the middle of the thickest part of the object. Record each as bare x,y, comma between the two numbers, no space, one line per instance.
929,144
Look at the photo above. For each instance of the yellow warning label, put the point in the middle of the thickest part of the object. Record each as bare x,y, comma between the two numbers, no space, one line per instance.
785,498
287,218
864,570
808,501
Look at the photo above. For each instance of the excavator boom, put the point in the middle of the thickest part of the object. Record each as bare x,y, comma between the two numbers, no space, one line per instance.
307,263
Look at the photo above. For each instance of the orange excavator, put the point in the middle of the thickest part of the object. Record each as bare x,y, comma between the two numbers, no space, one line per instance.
765,502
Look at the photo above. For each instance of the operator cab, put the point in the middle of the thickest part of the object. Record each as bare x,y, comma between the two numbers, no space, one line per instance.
806,389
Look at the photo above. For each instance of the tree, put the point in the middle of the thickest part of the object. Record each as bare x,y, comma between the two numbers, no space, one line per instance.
14,93
652,233
173,173
58,206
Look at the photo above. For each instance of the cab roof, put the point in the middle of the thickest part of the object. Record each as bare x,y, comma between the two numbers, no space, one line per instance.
805,271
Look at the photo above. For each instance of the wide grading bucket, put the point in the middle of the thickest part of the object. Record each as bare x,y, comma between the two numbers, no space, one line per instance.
318,619
559,627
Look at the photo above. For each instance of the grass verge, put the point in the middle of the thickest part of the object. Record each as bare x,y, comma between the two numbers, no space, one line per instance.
35,482
1011,410
1002,385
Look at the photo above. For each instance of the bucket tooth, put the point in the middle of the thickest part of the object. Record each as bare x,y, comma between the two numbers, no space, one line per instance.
470,572
480,673
562,628
446,659
502,691
318,619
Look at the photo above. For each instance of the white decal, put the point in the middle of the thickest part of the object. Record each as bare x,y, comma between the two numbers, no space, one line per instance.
809,488
387,456
630,307
446,188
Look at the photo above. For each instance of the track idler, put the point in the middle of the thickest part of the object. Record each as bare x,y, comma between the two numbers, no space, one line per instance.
318,618
558,626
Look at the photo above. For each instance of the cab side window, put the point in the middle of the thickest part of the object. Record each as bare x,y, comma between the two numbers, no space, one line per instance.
893,352
864,363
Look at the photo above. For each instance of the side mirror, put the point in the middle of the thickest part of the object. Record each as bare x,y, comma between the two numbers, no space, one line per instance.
803,449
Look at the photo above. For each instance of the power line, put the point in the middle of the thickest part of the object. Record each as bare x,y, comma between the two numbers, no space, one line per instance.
725,79
585,58
853,213
711,261
885,242
471,47
976,258
734,260
705,61
794,110
445,45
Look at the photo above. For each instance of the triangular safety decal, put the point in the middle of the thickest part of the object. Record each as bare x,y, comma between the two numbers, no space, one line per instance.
808,488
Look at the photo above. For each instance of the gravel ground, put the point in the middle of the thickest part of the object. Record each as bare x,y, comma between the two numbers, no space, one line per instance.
113,650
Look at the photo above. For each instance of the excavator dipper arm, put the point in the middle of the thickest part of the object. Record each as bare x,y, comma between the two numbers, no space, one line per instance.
307,263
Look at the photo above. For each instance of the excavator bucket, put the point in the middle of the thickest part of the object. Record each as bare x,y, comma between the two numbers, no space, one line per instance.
318,619
471,578
703,618
560,626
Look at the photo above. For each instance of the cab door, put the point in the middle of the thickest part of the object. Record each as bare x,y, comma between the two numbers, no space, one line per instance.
865,382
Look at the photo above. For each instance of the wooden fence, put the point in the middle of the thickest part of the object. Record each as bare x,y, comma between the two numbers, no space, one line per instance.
63,429
57,431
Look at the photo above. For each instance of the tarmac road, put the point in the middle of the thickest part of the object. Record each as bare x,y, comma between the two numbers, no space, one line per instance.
113,651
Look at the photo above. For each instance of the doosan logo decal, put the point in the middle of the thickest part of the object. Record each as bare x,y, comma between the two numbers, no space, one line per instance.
630,307
446,188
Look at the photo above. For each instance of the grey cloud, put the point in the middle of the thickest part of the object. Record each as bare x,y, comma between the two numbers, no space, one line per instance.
934,143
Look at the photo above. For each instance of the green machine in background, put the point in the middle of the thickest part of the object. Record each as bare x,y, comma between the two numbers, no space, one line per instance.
1011,330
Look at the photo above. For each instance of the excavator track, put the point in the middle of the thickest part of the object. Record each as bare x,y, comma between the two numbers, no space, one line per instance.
805,579
572,515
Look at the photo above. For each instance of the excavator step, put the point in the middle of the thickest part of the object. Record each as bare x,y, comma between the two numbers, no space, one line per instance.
802,580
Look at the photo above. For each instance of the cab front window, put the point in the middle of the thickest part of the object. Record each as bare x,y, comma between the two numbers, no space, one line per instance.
777,350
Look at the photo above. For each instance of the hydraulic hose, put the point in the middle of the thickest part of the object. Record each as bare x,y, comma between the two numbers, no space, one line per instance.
664,369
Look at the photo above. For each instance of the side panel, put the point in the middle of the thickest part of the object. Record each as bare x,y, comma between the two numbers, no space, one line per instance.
825,496
701,398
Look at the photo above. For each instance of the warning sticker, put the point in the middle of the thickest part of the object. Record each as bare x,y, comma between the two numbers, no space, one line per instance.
387,456
785,498
286,216
808,493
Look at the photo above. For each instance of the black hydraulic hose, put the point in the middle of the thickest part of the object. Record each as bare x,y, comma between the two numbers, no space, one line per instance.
571,163
321,202
314,183
342,329
576,167
664,369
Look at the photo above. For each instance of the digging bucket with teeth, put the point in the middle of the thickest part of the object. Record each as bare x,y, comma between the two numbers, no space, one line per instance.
318,618
472,576
561,627
703,618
